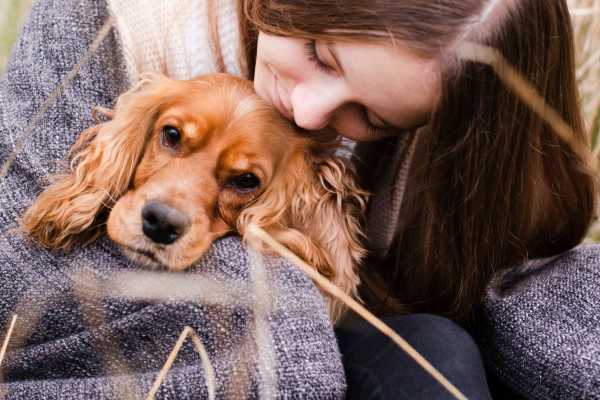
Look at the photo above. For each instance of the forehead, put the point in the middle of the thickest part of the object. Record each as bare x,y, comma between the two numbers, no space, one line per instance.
388,78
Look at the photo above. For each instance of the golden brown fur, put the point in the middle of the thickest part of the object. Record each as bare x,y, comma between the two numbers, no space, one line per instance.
307,202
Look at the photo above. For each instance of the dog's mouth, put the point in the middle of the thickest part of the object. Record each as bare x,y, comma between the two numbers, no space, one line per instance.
145,253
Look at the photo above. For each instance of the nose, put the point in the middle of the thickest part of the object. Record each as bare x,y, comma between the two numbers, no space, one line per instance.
313,106
163,224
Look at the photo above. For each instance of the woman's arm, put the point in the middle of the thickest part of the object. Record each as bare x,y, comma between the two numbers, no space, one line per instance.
537,326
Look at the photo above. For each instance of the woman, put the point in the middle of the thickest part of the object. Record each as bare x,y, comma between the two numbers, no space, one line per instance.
466,178
470,179
482,190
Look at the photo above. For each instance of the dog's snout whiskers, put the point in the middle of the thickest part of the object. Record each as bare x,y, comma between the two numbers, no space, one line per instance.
163,224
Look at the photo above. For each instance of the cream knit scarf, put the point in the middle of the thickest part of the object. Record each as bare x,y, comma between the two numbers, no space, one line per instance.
173,36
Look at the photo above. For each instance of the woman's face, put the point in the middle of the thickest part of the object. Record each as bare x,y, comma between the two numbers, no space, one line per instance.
363,91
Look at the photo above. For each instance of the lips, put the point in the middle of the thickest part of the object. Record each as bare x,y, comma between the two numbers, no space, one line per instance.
278,103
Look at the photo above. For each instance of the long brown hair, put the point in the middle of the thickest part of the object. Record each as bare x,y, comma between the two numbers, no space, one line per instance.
491,184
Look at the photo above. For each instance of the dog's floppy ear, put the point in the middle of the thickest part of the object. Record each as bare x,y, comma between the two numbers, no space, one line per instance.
314,207
102,166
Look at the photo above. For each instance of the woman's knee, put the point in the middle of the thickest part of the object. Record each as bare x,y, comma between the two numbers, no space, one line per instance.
448,347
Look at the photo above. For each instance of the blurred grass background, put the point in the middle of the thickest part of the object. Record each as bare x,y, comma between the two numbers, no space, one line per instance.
586,24
12,17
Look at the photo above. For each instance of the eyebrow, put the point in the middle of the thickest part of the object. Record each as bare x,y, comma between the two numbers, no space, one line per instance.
336,57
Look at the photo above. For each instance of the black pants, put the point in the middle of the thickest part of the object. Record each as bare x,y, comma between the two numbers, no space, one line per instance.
376,368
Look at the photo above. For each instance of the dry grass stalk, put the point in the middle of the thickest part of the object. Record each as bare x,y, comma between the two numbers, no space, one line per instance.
240,380
153,286
210,377
524,91
3,350
264,342
87,289
7,338
588,36
29,310
354,305
57,92
586,24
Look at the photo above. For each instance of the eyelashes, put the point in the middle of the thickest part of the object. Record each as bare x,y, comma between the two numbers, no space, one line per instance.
370,128
310,49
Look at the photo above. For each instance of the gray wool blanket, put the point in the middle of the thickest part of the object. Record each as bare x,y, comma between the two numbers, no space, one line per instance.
90,341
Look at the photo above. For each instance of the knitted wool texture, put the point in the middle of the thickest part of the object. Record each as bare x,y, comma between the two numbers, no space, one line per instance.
538,327
64,354
173,37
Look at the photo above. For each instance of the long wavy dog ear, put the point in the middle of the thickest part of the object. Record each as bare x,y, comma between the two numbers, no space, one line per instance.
314,207
102,166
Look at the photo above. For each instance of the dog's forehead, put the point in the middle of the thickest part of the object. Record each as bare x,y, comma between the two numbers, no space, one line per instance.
224,114
230,122
215,108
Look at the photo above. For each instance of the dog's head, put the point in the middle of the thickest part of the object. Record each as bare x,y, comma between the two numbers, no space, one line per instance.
212,148
182,163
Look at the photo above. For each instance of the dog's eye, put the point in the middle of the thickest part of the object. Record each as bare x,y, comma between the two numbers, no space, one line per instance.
171,136
245,181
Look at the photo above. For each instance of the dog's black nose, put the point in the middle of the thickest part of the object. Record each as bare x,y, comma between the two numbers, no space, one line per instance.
162,223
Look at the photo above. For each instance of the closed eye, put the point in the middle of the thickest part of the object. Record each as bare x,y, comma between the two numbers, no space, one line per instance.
371,128
310,49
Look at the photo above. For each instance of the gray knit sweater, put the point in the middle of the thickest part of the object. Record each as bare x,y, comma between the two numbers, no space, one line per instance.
538,328
67,350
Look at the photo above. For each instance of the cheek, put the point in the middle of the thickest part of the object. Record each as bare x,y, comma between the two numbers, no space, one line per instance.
261,82
149,166
282,56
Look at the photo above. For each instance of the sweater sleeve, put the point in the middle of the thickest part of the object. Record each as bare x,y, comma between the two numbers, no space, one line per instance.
538,327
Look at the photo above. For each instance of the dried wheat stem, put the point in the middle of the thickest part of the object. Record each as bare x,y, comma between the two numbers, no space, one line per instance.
210,378
3,350
104,31
168,364
7,338
88,292
354,305
264,342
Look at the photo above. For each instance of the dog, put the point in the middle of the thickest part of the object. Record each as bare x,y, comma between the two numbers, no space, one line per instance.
182,163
